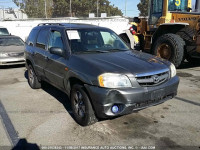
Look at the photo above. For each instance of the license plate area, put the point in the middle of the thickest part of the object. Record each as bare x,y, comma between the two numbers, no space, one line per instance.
158,94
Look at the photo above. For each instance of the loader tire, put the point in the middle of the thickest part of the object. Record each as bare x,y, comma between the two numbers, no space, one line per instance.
170,47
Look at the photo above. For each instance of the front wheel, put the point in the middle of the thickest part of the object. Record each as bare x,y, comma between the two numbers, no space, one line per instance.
81,106
170,47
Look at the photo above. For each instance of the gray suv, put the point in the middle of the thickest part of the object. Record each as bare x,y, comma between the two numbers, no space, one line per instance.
101,75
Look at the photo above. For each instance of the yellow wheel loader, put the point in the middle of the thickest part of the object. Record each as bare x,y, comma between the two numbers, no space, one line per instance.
172,30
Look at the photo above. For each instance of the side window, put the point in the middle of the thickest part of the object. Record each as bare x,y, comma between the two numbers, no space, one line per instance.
156,11
157,6
42,39
32,37
55,40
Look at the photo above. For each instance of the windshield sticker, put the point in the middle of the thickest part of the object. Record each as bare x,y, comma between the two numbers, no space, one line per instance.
73,35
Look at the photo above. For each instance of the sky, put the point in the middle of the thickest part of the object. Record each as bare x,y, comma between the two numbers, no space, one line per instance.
132,10
7,3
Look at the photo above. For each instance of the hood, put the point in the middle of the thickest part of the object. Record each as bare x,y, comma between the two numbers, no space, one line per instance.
11,49
129,62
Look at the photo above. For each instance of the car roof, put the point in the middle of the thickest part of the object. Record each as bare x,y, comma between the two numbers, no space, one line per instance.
69,25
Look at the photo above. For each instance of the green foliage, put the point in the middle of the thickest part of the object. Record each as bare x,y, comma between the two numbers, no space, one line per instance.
61,8
35,8
143,7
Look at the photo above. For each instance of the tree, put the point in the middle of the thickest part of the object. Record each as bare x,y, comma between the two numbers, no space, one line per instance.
35,8
82,8
143,7
61,8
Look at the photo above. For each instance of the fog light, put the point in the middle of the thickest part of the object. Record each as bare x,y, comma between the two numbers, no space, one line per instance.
115,109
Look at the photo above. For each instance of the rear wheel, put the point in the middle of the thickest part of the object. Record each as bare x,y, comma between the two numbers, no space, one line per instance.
81,106
170,47
32,78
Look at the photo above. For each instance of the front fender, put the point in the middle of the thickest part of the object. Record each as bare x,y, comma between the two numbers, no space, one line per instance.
77,75
168,28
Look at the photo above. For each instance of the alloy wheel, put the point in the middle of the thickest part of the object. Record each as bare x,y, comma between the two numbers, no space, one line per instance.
79,104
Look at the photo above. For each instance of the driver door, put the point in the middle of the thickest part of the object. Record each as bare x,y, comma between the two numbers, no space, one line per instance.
55,68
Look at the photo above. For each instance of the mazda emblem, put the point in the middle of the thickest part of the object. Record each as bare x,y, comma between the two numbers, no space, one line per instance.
156,79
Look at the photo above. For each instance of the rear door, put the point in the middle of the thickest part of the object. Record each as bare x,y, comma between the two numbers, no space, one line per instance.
40,51
56,65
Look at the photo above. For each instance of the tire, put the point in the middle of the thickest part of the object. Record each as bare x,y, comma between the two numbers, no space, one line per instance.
32,78
81,106
170,47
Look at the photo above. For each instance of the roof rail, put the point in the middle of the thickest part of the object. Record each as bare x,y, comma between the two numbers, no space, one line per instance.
46,24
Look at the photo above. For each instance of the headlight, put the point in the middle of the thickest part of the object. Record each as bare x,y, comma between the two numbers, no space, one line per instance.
111,80
3,55
172,70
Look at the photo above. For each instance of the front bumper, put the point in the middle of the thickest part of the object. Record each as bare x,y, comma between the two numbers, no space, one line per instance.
12,61
130,99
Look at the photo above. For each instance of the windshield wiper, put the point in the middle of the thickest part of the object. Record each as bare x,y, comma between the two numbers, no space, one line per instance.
101,51
94,51
117,50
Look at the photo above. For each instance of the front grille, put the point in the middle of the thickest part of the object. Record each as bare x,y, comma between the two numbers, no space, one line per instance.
16,54
153,80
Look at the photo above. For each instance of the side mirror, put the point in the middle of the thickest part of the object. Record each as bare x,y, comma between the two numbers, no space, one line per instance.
136,20
57,51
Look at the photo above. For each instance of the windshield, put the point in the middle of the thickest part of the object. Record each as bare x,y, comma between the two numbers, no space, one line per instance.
178,5
11,41
95,40
3,31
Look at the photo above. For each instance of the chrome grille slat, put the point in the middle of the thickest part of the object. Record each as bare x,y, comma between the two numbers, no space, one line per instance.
153,80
